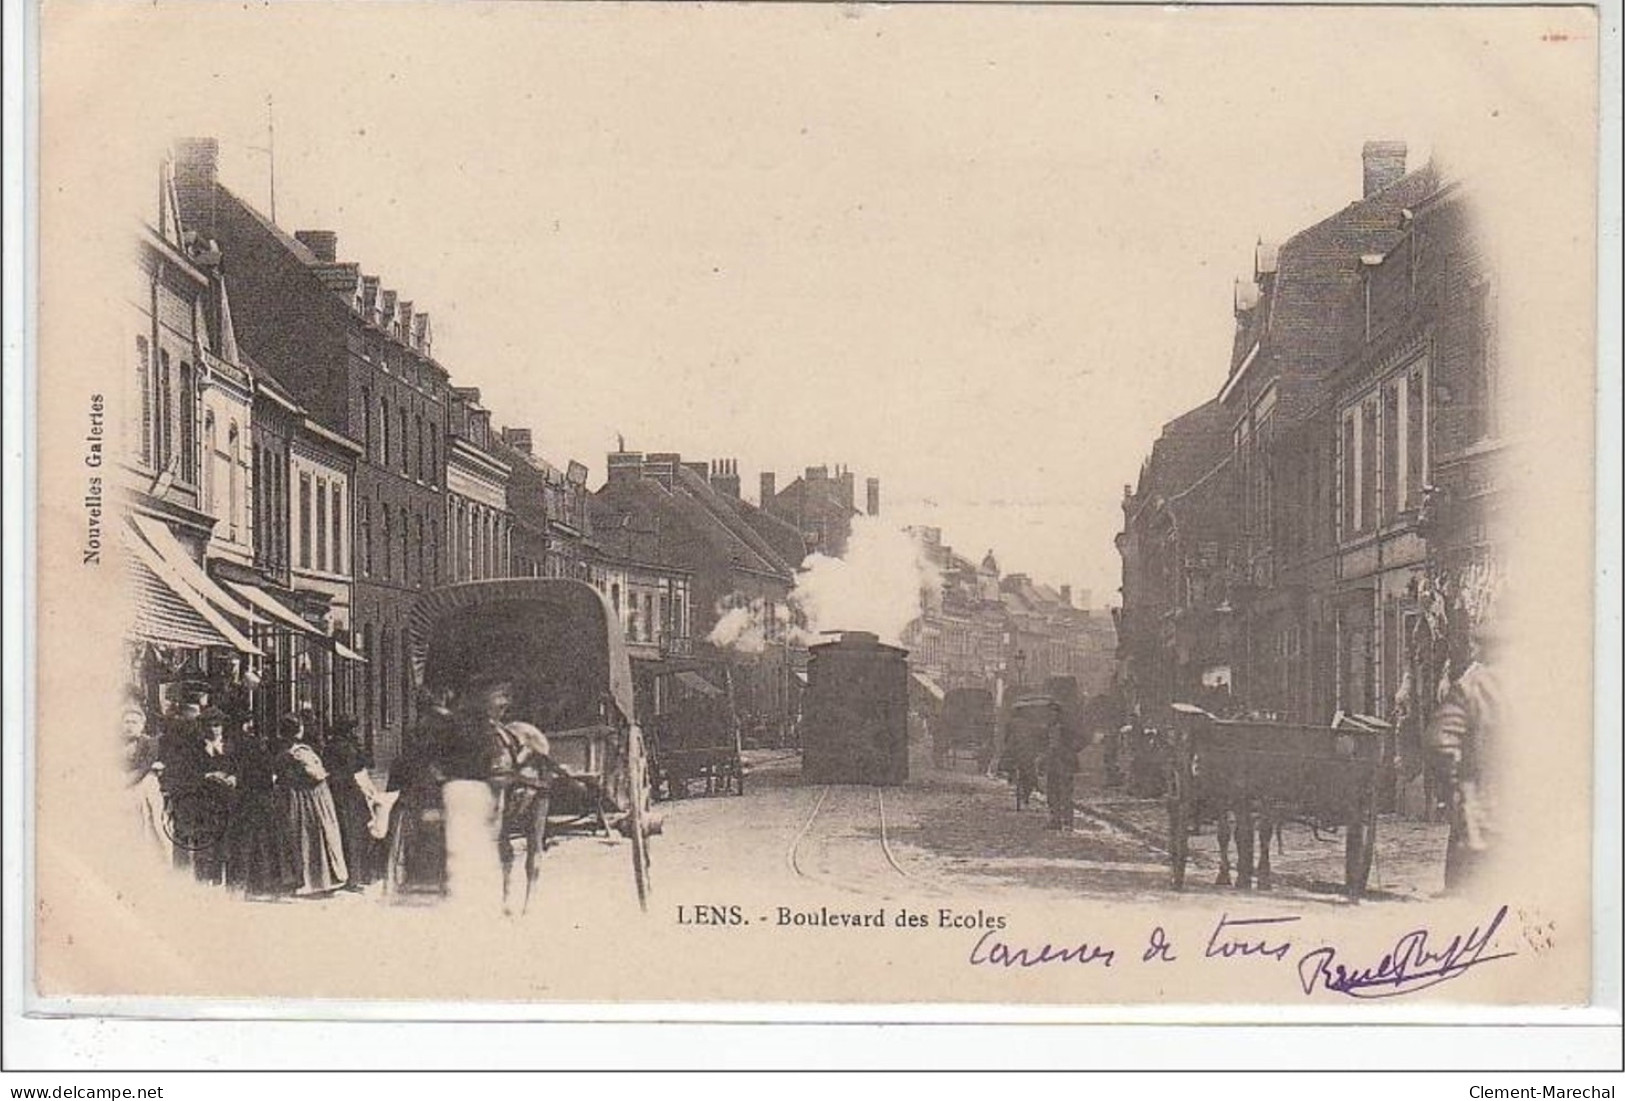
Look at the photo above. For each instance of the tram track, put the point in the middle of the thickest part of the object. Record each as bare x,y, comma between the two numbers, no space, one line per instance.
845,842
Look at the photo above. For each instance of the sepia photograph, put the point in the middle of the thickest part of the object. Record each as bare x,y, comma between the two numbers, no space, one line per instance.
833,504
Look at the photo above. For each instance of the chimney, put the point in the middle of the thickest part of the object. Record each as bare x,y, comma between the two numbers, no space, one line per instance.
662,467
197,167
769,488
725,477
1384,163
873,486
1066,595
817,474
519,439
849,488
624,466
323,244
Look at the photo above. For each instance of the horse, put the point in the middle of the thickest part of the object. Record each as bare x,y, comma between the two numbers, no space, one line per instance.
525,783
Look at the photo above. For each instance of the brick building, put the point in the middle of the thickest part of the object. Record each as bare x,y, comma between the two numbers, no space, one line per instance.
658,510
820,505
1359,480
359,359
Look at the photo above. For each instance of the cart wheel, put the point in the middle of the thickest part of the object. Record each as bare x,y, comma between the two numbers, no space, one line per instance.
1178,821
1359,847
638,817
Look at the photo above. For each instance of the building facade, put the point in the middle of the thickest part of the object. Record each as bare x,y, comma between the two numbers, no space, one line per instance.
1360,483
358,358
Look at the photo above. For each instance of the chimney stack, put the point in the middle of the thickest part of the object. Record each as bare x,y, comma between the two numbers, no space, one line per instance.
1066,595
197,167
323,244
1384,163
769,490
873,486
725,477
624,466
849,491
519,439
662,467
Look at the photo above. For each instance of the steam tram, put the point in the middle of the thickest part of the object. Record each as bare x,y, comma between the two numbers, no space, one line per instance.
855,714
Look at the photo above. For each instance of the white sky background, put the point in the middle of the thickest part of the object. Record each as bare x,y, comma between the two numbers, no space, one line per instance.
981,253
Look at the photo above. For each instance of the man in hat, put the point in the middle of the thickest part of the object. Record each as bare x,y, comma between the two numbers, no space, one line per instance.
200,779
1463,735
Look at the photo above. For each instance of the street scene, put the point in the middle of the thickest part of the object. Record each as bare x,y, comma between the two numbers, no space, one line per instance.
390,646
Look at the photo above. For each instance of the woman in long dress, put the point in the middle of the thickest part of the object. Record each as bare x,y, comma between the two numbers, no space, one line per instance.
313,839
145,796
415,859
353,798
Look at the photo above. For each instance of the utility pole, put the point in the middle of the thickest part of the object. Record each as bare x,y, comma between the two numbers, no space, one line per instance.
270,149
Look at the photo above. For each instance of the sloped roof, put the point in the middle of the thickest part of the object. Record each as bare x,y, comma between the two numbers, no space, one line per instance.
727,511
687,515
1306,319
1190,445
780,534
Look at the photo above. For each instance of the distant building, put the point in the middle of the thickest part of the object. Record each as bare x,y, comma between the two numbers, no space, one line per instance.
820,505
548,516
476,517
658,510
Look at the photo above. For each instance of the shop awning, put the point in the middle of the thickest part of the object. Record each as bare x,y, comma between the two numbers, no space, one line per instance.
932,687
163,543
273,607
169,612
345,652
697,683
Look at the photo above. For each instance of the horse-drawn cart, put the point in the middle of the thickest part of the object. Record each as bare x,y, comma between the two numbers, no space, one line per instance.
1257,775
558,648
694,738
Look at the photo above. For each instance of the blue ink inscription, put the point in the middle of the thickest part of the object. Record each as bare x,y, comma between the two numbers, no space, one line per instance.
1000,954
1238,937
1414,964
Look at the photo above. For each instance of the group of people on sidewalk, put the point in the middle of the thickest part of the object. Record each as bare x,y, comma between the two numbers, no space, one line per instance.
288,814
299,814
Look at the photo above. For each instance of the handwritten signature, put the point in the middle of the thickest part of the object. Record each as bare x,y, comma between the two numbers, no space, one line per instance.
1415,963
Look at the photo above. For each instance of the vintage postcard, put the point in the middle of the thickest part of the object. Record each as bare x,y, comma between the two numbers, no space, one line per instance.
1062,505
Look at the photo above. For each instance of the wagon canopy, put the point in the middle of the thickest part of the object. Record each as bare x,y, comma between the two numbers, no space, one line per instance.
557,641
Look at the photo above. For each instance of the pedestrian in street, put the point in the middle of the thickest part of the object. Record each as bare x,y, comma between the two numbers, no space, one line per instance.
1024,745
478,770
258,857
1463,736
415,852
144,792
1060,766
312,837
353,798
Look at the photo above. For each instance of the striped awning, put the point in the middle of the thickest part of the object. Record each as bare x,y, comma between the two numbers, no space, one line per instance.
180,564
168,611
273,608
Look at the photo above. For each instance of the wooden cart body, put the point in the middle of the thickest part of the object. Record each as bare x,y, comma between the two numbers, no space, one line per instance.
966,728
560,646
1320,775
696,741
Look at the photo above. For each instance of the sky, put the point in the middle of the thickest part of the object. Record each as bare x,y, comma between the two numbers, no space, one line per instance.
980,253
